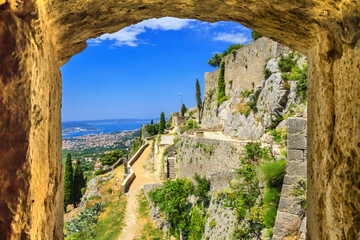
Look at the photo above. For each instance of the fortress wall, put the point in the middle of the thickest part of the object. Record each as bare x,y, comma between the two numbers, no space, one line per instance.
206,156
246,65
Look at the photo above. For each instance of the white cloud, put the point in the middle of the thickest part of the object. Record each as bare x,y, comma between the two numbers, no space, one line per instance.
231,37
129,36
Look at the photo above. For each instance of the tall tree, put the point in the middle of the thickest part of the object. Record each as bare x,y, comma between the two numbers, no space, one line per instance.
162,123
198,98
152,122
183,110
68,182
79,183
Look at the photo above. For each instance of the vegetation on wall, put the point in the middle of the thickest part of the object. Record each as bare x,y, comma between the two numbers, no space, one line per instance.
255,206
217,58
292,72
190,124
299,192
185,219
221,85
255,35
286,63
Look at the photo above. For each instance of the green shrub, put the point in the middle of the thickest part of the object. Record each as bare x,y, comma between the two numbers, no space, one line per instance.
217,58
245,93
255,35
299,192
112,157
269,217
286,63
212,224
202,188
267,73
286,85
302,85
276,122
168,125
82,226
98,172
272,196
274,173
252,103
197,224
171,200
152,129
280,135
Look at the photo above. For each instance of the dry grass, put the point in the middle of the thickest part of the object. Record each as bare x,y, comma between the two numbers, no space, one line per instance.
149,230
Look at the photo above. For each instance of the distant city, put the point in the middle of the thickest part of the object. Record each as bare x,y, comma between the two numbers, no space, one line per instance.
97,140
81,135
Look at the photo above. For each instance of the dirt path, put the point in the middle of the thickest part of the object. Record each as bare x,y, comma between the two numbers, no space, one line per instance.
133,228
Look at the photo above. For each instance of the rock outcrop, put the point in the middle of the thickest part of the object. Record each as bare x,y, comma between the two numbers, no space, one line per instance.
273,98
37,37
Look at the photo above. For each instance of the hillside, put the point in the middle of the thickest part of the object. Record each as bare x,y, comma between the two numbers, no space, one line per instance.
242,170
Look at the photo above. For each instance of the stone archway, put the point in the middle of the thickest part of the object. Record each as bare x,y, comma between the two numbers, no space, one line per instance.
37,37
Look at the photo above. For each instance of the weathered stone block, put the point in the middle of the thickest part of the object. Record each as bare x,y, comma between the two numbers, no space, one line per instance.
285,204
296,125
296,141
298,169
294,154
289,180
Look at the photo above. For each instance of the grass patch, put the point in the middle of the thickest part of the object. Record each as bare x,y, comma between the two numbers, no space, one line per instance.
111,222
149,231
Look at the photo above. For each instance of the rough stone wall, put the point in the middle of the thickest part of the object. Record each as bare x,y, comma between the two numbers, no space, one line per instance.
246,66
221,221
206,156
290,214
31,174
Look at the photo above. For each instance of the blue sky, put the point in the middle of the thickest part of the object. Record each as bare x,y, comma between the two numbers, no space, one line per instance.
138,71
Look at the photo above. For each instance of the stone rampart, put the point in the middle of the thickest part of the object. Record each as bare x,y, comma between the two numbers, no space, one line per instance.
207,156
131,176
245,66
290,215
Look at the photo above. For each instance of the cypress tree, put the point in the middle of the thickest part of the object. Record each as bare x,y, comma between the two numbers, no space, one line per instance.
198,98
162,123
68,182
79,183
152,122
183,110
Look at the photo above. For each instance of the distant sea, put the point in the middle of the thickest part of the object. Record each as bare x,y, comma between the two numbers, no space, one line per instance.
72,129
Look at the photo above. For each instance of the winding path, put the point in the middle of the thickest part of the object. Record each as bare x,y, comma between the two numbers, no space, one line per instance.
133,227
